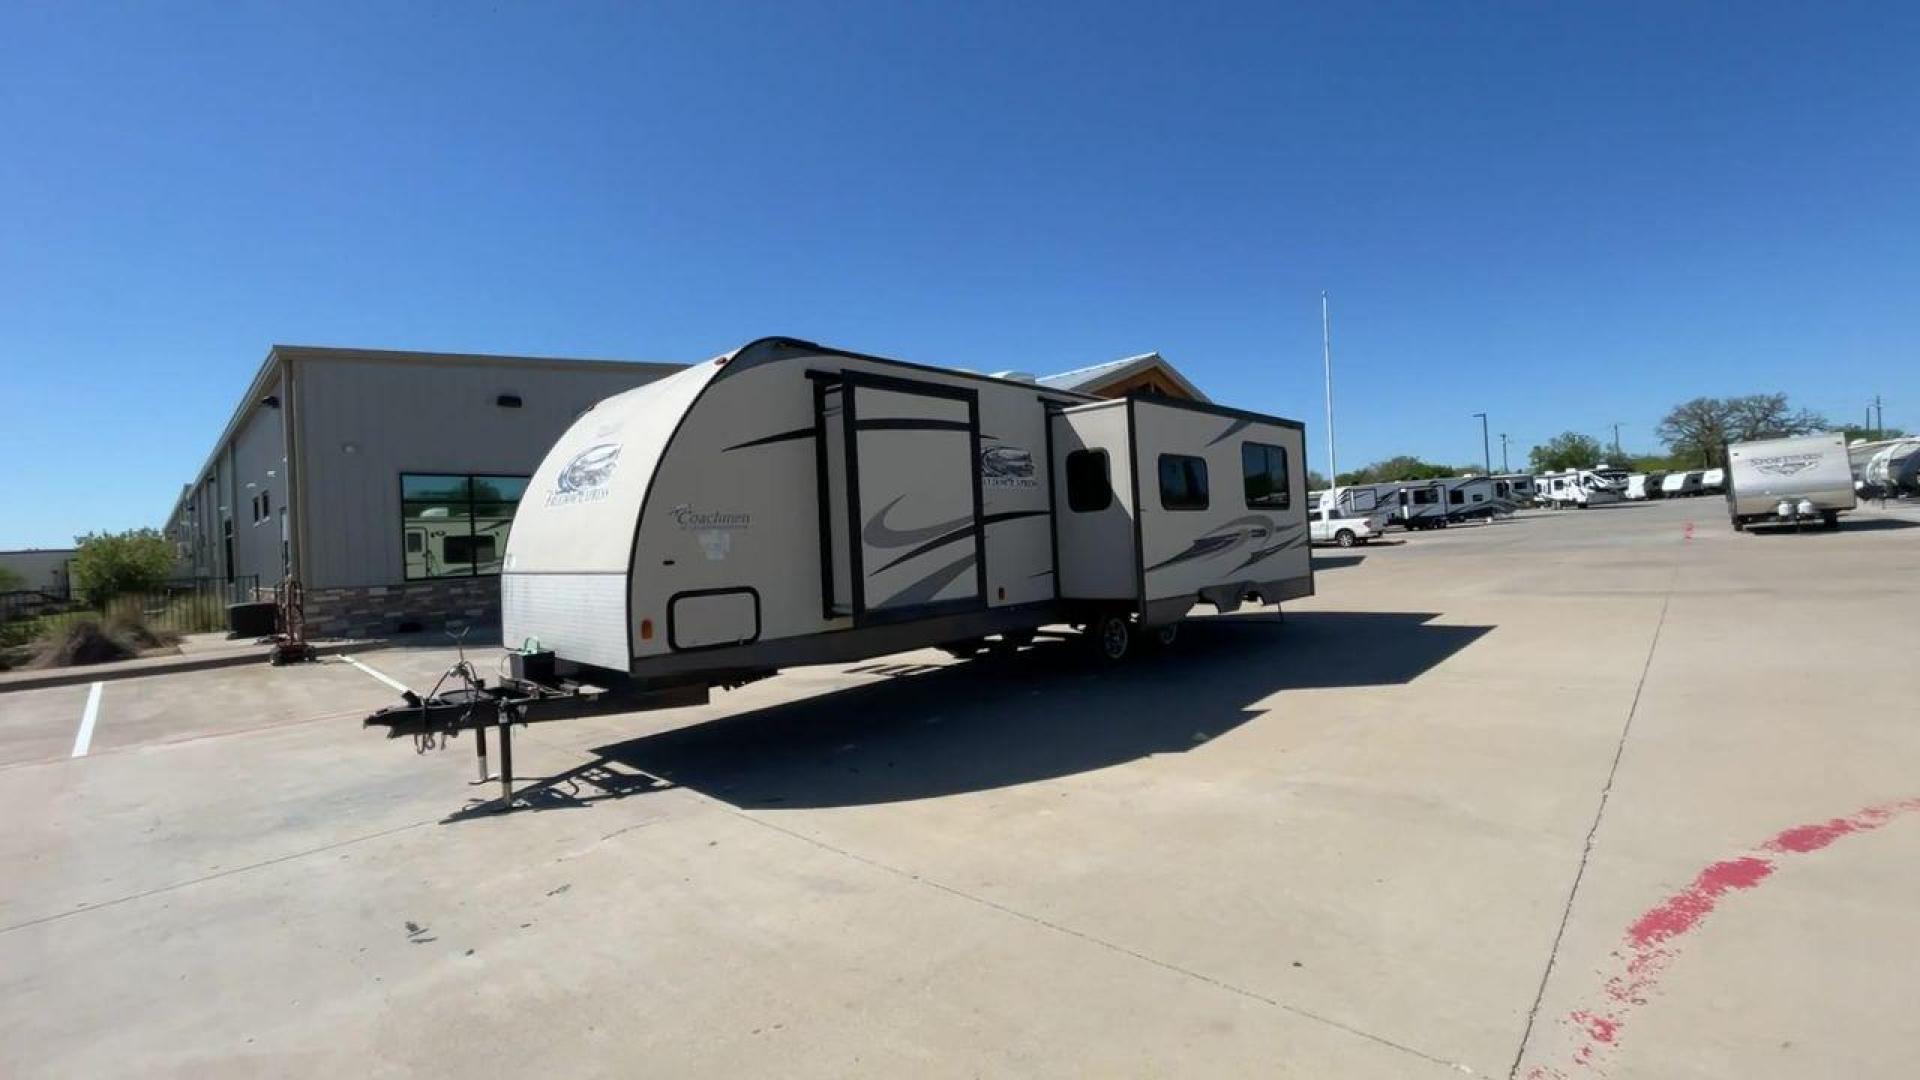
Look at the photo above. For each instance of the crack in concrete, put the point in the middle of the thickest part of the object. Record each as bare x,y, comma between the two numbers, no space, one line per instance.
1593,832
157,890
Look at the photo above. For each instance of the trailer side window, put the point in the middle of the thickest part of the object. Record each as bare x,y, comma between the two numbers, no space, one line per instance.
1089,483
1265,471
1456,496
1183,482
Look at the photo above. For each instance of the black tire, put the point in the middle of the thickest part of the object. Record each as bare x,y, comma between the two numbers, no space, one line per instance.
1344,538
1739,525
1830,519
1111,636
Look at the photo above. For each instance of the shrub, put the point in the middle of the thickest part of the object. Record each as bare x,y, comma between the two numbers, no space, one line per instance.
109,564
88,639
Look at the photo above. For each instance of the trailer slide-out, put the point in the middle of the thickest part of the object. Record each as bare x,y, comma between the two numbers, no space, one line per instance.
791,504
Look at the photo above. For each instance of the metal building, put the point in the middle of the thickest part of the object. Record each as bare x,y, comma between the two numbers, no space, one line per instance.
384,482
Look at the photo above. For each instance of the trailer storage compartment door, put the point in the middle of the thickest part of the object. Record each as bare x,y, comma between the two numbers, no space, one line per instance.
902,497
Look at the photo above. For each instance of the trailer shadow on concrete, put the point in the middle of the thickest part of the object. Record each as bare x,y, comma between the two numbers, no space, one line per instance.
1847,525
1046,712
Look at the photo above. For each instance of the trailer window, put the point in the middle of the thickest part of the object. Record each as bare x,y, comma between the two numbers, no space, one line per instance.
1455,496
1089,483
1264,469
1425,496
1183,482
456,525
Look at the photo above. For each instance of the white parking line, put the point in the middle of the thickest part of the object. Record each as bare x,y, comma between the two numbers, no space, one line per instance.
84,737
382,676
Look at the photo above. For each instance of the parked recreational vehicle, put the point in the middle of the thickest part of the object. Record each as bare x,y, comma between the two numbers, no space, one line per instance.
793,504
1470,498
1642,486
1422,504
1514,490
1713,481
1578,488
1789,480
1892,469
1677,484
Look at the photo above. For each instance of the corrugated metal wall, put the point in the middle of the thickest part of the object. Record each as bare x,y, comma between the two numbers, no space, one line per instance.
366,422
256,463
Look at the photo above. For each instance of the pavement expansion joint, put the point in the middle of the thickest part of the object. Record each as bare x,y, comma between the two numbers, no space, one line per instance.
1593,831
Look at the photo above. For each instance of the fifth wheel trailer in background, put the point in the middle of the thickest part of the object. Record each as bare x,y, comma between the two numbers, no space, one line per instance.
1789,480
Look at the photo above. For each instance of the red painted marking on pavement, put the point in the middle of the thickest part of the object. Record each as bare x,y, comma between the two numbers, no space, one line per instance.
1650,943
1684,911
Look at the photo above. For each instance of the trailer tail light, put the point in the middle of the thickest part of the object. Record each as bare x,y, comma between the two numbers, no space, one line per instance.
646,629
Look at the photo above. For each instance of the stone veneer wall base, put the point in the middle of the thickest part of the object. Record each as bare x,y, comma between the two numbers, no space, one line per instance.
378,610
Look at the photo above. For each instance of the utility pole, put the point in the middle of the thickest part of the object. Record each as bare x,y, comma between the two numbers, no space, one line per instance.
1486,446
1504,467
1617,455
1326,358
1879,419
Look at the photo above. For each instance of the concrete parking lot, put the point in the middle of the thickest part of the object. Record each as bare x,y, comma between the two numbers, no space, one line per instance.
1614,793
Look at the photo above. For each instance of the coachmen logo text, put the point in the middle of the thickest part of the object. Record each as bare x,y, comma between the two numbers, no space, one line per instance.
687,517
585,477
1785,464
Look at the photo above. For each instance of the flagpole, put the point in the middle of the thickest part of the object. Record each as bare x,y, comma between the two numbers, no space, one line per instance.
1326,357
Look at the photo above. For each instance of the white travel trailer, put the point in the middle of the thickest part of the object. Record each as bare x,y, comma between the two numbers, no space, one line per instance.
1578,488
1789,480
1677,484
1643,486
1888,469
793,504
1713,481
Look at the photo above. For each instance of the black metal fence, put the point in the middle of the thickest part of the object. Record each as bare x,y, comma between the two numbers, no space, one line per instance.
186,606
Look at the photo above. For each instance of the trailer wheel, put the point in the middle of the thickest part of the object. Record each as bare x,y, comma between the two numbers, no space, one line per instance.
1739,525
1112,636
1830,519
1344,538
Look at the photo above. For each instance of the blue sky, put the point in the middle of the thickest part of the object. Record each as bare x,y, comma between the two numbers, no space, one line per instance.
1562,218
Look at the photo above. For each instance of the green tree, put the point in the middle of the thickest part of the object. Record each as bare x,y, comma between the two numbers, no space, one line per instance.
1567,450
1315,481
109,564
1399,467
1698,431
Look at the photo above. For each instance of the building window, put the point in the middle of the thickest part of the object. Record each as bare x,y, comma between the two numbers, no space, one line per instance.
456,526
1265,470
1183,482
1089,484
